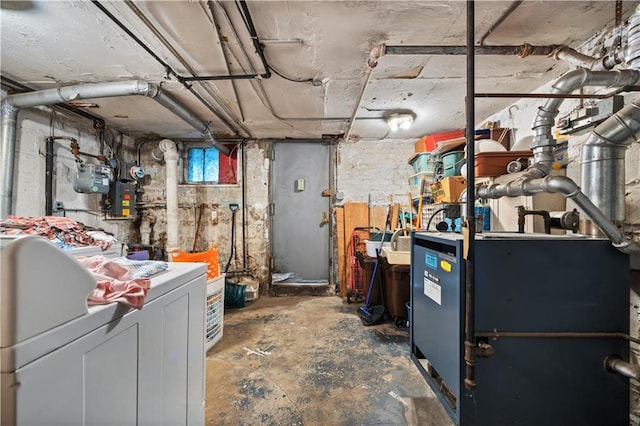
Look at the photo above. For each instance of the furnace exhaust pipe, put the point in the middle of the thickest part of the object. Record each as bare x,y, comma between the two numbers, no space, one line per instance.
603,157
12,104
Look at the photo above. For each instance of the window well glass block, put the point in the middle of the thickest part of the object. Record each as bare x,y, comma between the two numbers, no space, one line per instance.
203,166
196,165
211,164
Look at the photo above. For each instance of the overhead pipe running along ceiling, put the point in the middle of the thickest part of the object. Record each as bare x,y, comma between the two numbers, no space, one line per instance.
12,104
603,154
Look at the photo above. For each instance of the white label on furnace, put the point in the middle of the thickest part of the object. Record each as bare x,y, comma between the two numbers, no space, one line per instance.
433,291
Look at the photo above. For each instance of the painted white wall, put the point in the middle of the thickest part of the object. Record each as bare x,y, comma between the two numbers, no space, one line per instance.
376,168
215,221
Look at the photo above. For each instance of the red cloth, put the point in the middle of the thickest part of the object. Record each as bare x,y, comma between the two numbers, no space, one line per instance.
67,230
115,283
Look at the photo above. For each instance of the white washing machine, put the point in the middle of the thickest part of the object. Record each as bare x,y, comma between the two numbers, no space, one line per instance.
64,363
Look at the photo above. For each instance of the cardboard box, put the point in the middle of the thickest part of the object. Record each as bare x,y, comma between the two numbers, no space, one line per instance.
448,190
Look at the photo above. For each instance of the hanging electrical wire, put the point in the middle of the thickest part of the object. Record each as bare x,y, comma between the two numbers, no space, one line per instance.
295,80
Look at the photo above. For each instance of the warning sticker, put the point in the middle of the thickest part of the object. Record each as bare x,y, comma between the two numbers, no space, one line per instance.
433,291
446,266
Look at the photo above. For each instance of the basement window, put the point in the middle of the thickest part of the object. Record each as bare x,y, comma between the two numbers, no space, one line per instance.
206,165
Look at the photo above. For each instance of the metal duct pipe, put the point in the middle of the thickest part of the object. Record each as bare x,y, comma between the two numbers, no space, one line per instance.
181,111
602,162
12,104
565,53
567,187
7,155
543,143
615,364
632,55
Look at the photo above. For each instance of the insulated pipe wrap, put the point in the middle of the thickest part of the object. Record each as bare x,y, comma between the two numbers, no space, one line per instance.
12,104
83,91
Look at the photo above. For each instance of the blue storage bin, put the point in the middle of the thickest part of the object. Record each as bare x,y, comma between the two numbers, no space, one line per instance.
423,162
452,162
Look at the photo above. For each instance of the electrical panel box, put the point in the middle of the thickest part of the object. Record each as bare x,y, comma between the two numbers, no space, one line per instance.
92,179
123,199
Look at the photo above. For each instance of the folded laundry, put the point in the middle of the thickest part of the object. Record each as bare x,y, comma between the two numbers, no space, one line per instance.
121,280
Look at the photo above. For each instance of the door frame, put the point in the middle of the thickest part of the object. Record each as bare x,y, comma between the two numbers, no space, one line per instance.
331,145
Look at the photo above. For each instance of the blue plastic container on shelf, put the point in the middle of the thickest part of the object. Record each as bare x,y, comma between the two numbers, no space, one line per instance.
423,162
452,162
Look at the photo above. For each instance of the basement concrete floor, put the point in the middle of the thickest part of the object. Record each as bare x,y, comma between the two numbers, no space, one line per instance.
307,360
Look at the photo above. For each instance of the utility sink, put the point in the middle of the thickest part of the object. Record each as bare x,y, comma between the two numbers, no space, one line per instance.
397,257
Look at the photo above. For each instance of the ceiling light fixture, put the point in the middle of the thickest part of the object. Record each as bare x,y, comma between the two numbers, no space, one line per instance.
399,121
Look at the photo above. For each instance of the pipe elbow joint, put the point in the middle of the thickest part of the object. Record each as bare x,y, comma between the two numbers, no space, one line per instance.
481,192
572,80
628,246
148,89
8,109
169,149
562,185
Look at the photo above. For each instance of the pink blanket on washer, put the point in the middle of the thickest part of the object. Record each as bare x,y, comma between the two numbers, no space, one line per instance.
115,283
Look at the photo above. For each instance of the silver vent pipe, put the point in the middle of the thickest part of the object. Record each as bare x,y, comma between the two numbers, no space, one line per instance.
543,143
603,157
567,187
616,140
632,54
12,104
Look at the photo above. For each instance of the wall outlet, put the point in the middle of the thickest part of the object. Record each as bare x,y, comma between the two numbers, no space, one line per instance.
57,206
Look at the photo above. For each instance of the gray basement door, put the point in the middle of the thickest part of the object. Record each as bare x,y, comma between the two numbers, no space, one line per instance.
300,214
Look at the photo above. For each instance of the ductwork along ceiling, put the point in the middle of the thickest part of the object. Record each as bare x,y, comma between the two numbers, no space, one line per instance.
323,46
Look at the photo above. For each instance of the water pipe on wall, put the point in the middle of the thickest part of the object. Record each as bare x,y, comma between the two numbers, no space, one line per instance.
168,151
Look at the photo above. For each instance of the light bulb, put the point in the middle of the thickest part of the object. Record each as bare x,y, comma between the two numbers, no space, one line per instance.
400,121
